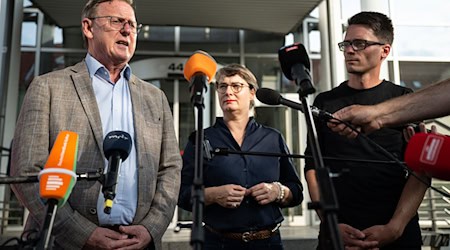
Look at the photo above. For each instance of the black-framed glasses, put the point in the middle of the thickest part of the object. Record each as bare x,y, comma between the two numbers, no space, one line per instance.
118,23
236,87
357,44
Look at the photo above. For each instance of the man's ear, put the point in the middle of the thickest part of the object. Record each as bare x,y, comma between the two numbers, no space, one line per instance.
386,51
86,27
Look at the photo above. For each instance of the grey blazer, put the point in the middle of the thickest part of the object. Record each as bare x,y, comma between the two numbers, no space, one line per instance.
64,100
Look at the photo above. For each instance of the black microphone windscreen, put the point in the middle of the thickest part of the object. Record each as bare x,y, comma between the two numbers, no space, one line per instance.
268,96
117,141
291,55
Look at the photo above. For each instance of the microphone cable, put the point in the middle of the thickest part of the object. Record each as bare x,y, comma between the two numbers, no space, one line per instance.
389,155
27,240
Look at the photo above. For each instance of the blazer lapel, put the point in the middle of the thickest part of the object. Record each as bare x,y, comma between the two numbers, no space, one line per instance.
83,86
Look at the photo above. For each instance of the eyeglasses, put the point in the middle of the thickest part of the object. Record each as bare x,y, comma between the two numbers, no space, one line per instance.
235,87
357,44
118,23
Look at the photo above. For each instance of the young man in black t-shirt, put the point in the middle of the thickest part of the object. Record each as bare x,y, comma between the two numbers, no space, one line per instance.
377,202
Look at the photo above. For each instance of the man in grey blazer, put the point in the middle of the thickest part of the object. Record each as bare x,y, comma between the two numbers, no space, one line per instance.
92,98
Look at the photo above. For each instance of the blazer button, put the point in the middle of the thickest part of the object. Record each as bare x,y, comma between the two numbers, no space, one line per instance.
93,211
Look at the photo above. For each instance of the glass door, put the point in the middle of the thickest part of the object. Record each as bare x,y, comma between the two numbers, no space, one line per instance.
289,122
167,74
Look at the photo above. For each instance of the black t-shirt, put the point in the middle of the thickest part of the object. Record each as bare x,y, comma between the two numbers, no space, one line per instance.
367,193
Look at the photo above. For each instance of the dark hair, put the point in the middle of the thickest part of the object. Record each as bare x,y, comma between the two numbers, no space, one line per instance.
378,22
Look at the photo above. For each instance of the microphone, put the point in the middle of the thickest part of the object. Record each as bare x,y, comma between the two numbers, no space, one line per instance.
296,66
199,70
429,153
57,179
116,147
272,97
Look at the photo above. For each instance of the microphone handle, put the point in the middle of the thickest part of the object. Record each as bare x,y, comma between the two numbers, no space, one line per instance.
314,110
291,104
46,232
110,181
197,87
303,79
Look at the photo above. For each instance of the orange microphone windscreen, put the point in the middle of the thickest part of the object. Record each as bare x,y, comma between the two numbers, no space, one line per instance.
58,177
201,62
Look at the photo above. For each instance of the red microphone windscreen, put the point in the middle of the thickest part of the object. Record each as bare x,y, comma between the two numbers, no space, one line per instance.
426,152
202,62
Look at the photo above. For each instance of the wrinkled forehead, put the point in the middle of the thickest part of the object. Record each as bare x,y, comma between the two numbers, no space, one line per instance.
116,8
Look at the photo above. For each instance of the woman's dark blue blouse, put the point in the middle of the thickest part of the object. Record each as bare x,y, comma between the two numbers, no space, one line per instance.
244,170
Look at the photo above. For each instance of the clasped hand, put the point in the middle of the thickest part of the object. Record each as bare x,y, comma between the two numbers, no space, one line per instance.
129,237
231,195
370,238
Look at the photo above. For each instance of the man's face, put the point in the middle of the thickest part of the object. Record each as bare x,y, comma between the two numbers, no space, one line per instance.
365,60
110,45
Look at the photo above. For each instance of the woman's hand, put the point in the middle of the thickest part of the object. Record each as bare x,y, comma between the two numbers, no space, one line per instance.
229,196
264,193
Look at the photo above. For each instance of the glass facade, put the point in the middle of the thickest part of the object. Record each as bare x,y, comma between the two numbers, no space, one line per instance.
416,74
422,56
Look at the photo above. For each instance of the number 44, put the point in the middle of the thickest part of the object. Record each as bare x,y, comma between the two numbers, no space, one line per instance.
176,67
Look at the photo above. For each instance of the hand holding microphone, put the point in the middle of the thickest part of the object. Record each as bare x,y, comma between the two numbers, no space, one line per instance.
412,128
429,153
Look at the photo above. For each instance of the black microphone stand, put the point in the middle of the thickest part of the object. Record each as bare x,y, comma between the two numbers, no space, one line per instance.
226,152
45,240
90,176
328,201
198,196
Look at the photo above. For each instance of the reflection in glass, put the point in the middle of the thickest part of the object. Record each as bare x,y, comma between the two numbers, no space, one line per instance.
260,42
420,11
275,117
422,41
29,29
212,40
416,75
156,38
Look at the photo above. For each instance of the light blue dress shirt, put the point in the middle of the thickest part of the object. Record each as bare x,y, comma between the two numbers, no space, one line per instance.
116,113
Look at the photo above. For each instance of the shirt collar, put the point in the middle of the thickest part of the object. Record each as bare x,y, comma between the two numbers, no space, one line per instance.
94,66
221,123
